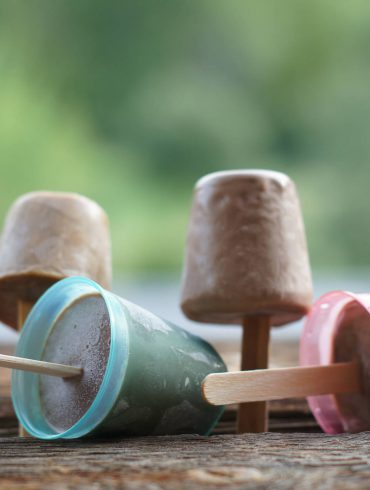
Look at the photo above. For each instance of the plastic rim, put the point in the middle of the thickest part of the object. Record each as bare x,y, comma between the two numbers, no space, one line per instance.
25,385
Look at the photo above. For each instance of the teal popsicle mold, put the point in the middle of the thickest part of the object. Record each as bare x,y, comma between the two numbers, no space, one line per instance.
152,383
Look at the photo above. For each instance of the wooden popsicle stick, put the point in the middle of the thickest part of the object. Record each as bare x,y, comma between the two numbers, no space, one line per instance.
41,367
23,307
252,417
275,384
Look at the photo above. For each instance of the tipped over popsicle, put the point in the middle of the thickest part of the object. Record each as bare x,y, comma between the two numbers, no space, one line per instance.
133,373
48,236
334,372
246,262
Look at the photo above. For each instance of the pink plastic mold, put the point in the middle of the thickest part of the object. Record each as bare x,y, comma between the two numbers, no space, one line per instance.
318,348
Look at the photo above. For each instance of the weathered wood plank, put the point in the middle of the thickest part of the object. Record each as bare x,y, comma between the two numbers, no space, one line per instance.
262,461
242,461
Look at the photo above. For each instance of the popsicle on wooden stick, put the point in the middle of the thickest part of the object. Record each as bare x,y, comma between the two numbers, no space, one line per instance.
334,372
129,372
247,263
48,236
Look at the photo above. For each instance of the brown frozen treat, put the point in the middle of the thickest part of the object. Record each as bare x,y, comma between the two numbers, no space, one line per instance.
48,236
247,263
246,251
352,343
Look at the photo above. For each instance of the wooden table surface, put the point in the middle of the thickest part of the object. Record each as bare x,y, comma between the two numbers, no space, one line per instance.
294,455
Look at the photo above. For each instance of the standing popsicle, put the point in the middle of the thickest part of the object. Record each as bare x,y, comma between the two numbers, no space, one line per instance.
48,236
334,372
247,263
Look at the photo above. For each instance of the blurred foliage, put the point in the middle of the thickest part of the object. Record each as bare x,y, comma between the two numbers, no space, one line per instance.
130,102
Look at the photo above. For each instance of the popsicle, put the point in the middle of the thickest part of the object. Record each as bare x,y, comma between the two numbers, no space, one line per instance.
246,262
334,372
48,236
140,374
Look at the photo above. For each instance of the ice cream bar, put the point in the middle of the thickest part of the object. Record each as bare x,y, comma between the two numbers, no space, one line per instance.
141,375
246,262
334,371
246,250
48,236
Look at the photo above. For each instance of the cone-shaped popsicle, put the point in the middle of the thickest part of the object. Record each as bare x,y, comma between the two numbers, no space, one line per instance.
246,262
48,236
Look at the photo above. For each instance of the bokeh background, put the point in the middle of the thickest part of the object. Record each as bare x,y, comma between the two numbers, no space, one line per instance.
131,102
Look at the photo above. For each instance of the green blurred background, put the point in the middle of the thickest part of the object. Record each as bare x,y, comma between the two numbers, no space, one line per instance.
129,102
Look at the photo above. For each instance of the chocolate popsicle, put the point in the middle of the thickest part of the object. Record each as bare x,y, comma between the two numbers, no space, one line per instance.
246,262
140,374
48,236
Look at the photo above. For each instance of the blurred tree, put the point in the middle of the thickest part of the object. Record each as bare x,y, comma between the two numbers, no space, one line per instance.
130,102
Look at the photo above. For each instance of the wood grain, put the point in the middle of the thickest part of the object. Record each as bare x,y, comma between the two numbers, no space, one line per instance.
262,461
282,460
252,417
23,309
41,367
280,383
